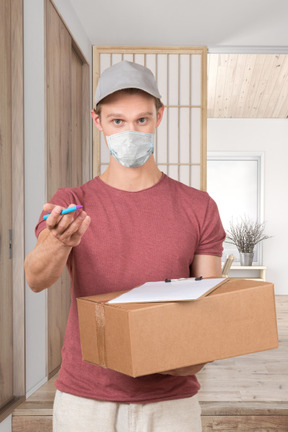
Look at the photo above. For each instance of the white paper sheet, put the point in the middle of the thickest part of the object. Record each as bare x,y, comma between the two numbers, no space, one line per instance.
182,290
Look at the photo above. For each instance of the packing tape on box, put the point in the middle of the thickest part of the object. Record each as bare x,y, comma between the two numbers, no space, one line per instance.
100,322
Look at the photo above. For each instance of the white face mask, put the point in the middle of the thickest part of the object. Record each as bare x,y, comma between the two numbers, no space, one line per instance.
131,149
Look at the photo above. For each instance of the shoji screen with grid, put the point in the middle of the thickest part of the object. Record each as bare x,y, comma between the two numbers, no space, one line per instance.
181,74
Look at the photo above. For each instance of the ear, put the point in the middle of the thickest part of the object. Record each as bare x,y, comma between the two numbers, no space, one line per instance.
160,115
96,120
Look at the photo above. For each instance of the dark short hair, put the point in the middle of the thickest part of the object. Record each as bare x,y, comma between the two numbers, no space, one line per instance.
129,91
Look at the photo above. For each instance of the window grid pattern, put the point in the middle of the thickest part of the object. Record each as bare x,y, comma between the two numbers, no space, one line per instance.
180,142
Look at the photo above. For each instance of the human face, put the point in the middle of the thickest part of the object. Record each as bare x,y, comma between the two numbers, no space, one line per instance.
122,112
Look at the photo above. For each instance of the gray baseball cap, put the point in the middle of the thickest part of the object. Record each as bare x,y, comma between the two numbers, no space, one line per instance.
124,75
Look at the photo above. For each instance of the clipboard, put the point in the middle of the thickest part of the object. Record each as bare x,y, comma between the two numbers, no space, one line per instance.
188,289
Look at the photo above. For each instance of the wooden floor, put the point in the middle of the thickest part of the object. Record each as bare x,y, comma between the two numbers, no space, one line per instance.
248,393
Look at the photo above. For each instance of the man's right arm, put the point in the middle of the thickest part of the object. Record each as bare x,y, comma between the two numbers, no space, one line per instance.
45,263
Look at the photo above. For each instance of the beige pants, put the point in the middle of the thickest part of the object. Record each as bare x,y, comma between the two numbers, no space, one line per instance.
76,414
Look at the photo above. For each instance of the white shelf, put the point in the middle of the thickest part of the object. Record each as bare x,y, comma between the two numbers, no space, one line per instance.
259,270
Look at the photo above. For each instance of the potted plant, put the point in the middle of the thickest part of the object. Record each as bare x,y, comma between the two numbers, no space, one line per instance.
245,235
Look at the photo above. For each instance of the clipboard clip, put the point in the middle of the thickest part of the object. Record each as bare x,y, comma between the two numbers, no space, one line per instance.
181,279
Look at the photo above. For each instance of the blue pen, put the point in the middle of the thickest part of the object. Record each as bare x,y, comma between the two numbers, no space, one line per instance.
65,211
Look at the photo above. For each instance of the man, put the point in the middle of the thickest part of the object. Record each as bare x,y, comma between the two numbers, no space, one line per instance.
141,226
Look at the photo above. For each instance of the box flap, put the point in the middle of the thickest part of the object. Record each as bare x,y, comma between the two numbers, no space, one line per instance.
234,284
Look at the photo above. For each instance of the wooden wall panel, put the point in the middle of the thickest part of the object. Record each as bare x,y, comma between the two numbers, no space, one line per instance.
86,122
76,117
67,108
18,196
58,108
58,99
6,300
12,282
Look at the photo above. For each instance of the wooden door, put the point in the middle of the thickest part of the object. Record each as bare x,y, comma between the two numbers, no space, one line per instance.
12,281
6,300
76,119
67,108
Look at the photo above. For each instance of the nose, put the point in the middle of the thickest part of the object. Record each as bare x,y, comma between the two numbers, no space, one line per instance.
132,126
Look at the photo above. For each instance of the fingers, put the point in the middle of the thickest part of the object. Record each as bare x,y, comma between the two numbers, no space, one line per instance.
85,223
73,232
48,207
67,228
64,221
56,219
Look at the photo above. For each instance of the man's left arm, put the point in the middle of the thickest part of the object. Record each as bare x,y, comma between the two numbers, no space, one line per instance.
205,266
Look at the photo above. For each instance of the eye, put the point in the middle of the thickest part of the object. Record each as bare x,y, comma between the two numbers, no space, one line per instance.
142,120
117,122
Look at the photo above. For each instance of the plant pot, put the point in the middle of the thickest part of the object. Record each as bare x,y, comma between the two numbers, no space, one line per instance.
246,258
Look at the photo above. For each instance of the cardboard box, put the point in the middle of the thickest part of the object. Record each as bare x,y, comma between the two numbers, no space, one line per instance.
237,318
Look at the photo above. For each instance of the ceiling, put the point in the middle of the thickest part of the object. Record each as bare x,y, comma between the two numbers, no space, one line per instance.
247,86
184,22
239,85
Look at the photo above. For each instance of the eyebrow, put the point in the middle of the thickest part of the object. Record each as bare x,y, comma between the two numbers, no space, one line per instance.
118,115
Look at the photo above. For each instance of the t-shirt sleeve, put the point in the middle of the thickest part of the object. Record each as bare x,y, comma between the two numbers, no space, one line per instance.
212,232
63,197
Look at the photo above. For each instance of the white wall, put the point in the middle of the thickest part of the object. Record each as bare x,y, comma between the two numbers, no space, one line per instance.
34,109
35,163
6,425
271,137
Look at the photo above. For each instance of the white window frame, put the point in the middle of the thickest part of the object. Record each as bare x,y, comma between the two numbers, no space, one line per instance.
244,156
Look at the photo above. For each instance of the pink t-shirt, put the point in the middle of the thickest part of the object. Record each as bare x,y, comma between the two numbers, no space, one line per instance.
133,238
